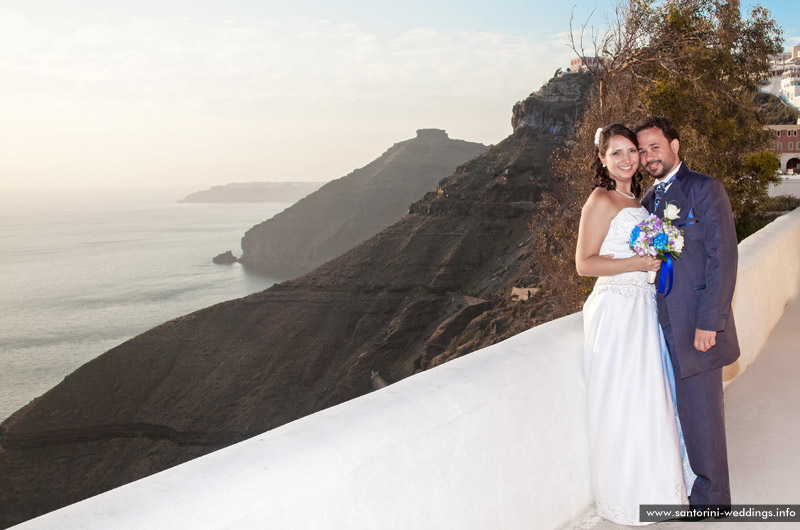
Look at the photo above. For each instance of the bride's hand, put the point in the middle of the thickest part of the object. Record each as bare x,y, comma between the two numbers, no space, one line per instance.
646,263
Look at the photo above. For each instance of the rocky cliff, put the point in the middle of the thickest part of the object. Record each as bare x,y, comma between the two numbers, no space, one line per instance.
774,110
349,210
432,286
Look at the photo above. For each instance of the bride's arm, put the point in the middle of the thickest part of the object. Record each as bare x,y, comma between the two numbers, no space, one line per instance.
596,217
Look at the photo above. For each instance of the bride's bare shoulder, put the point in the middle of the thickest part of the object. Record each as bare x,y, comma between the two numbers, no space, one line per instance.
600,203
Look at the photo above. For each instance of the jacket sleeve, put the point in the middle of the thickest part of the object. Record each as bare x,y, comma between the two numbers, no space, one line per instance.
722,256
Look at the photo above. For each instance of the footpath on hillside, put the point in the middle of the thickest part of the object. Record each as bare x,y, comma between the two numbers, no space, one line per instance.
763,427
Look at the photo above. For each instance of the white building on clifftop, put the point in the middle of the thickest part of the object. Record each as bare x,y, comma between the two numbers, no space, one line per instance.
581,64
790,85
785,69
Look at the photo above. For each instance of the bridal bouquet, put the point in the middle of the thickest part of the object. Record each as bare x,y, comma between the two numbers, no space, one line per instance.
658,238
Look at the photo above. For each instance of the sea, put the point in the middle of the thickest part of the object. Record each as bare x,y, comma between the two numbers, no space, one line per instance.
82,272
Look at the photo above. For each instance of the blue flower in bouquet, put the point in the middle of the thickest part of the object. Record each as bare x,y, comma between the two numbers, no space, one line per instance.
656,238
635,235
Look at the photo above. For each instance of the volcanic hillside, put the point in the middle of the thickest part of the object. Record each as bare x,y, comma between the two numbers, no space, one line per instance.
433,286
351,209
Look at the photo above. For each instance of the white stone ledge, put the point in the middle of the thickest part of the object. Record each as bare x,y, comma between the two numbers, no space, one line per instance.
495,439
769,275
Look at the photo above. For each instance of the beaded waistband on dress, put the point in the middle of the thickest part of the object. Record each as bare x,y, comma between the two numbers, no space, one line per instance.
633,278
629,284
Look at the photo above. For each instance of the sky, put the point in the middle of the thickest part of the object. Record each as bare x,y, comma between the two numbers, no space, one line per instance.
186,94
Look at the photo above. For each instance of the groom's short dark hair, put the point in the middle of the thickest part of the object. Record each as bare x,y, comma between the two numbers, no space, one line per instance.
669,130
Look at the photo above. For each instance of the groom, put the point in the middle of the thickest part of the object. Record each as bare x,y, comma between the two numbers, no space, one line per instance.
696,315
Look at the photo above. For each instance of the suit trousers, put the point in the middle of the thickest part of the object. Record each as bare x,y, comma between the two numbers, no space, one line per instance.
702,414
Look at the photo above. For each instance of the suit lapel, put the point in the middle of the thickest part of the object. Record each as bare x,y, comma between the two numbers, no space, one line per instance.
675,194
672,195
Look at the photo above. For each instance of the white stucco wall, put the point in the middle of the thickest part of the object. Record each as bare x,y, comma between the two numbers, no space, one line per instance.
496,439
786,157
769,275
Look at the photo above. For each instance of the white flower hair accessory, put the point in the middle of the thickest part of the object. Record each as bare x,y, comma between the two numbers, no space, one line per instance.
597,136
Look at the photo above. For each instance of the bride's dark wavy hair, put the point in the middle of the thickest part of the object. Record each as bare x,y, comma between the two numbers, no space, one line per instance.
601,177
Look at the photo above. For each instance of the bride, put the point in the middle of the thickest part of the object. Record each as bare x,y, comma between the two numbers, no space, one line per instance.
634,436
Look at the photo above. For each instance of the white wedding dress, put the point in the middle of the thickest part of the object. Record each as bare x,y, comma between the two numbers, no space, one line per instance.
634,441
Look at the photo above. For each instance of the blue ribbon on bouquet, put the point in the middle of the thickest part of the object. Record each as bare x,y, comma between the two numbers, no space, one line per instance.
665,278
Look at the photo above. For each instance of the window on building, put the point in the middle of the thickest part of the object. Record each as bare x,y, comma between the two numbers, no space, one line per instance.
779,146
791,146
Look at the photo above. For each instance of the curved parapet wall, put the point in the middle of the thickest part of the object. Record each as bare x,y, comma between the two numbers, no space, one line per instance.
495,439
768,277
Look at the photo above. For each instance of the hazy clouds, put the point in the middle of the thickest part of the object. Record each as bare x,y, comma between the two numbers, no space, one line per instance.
100,99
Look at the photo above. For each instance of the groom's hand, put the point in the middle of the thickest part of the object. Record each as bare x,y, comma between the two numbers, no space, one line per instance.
704,340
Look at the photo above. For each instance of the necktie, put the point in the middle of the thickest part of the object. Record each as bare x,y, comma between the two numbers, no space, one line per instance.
660,188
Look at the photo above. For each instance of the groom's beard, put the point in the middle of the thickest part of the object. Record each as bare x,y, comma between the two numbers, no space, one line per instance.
661,167
658,170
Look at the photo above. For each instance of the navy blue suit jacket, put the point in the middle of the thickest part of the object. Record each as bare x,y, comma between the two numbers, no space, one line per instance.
704,275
